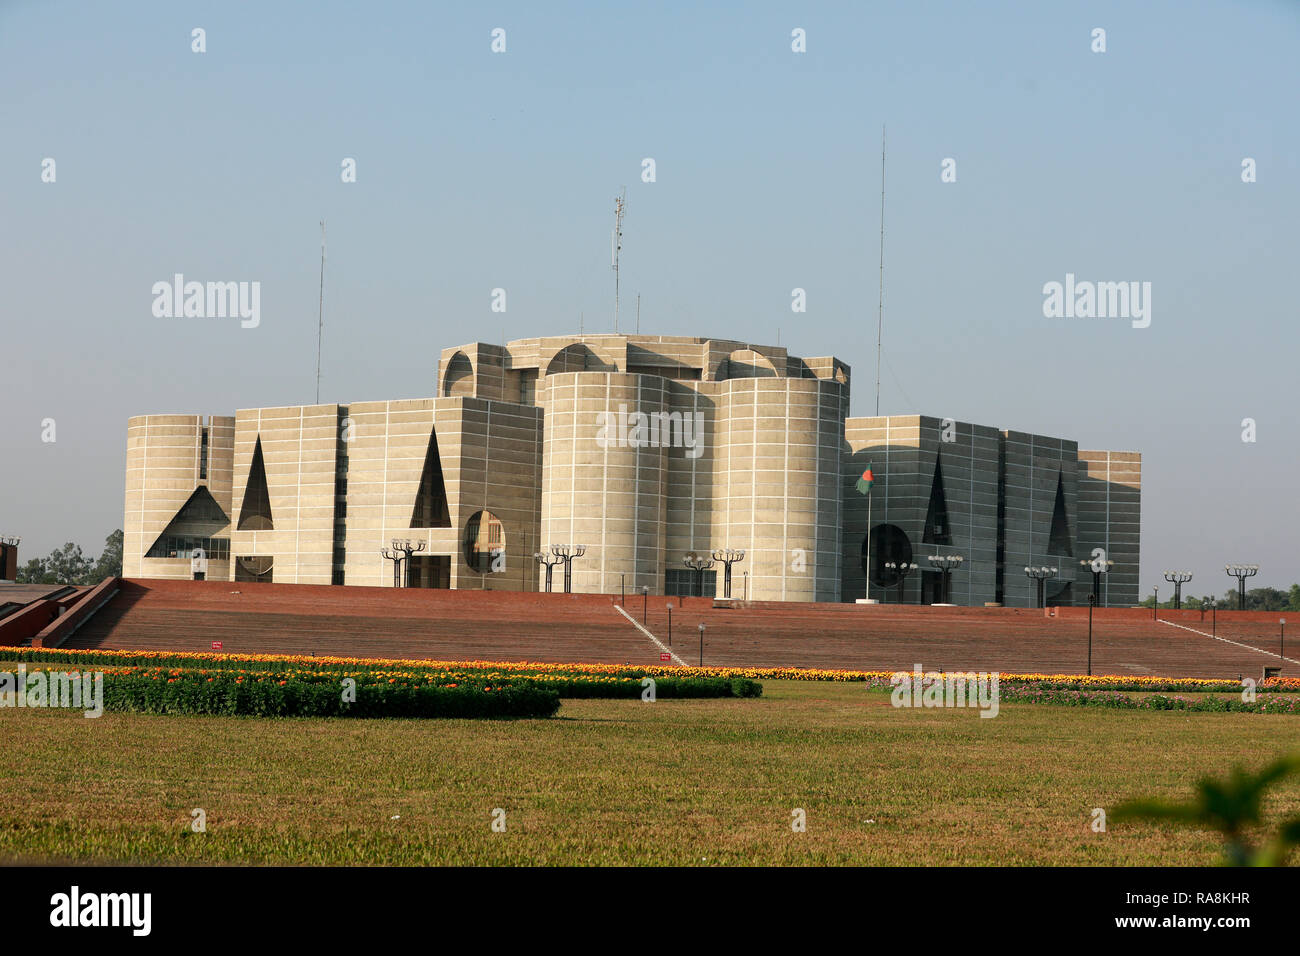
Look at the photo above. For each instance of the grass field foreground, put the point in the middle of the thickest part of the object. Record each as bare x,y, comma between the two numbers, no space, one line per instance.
691,782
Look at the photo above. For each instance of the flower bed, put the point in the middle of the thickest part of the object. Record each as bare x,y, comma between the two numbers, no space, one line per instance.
1262,704
568,680
615,680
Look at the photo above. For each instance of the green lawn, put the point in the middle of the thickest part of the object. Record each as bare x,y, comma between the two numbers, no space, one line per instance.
701,782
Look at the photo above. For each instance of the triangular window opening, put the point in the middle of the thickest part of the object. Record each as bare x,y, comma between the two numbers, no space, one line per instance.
199,519
937,529
431,497
255,512
1059,541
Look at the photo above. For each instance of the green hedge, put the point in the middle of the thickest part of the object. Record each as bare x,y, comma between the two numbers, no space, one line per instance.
191,692
665,687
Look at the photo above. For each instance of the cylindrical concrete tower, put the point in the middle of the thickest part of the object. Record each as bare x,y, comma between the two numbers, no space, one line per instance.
604,477
778,460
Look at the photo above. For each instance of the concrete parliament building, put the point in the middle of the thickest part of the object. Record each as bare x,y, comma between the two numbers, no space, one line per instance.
643,448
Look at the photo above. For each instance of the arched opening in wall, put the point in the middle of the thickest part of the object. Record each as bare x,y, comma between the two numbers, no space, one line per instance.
887,543
485,543
577,358
746,363
458,382
255,568
255,510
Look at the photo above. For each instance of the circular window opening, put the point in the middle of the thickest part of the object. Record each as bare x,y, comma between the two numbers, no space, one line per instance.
888,543
485,543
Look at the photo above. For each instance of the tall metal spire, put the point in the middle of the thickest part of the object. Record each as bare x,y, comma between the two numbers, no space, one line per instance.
880,305
616,242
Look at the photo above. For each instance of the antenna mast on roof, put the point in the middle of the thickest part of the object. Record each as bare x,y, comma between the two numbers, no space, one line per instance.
320,309
880,305
616,242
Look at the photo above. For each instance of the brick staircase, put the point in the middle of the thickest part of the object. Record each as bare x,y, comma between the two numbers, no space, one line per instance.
500,625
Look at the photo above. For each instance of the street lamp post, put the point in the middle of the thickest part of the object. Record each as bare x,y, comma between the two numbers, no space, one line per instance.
946,564
902,570
701,645
670,625
699,565
1178,579
1098,566
1040,575
1241,572
549,561
1281,635
728,557
396,558
1214,617
567,552
1155,608
645,605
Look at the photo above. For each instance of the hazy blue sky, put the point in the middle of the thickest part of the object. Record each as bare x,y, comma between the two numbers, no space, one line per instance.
479,170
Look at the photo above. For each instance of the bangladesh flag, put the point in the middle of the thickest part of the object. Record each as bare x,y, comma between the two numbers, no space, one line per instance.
865,482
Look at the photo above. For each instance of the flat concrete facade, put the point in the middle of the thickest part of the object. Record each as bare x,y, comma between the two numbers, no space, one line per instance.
642,448
1002,500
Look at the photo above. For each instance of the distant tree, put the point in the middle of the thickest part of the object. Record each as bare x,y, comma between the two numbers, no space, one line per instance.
1263,599
109,564
1257,599
1266,599
68,565
34,572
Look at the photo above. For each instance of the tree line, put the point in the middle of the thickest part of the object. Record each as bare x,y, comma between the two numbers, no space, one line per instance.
1257,599
69,565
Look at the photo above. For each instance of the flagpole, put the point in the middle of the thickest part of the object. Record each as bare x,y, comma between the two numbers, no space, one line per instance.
865,485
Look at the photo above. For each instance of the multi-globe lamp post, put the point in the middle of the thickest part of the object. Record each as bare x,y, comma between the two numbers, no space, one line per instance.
945,564
1040,575
699,564
902,569
566,553
728,557
1178,579
548,561
1241,572
400,554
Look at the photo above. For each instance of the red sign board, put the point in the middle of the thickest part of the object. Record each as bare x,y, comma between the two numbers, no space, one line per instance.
665,657
216,645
